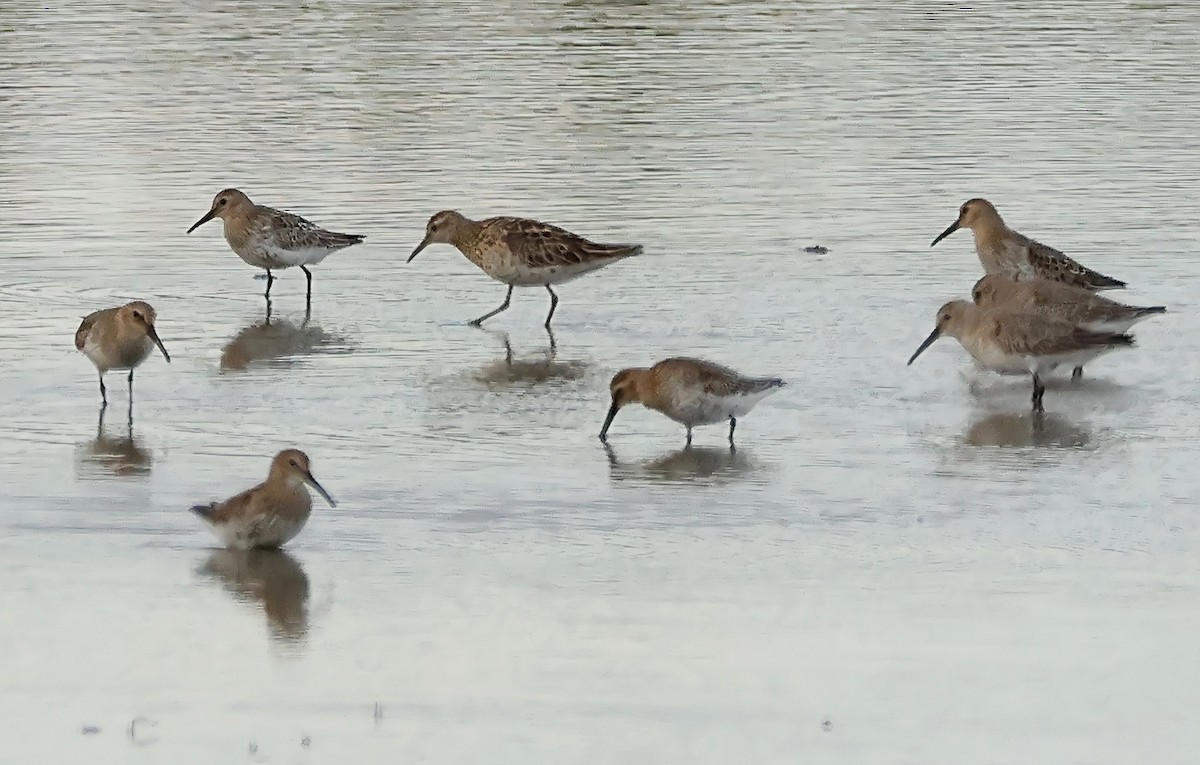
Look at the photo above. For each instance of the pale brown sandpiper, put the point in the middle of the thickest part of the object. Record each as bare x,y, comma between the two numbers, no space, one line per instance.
1010,342
119,338
690,391
521,252
1004,251
271,239
1057,300
271,513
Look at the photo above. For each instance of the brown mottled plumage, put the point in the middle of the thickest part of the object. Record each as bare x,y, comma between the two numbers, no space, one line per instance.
1057,300
1013,342
690,391
272,239
1004,251
272,512
119,338
521,252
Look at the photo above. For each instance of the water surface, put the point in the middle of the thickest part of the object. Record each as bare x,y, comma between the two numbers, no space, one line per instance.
895,566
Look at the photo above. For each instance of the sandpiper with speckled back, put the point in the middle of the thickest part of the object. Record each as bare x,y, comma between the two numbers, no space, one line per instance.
272,512
1004,251
271,239
521,252
119,338
690,391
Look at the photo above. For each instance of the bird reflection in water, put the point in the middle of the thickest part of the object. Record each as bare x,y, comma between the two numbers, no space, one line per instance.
275,340
271,578
689,464
1027,429
116,453
512,371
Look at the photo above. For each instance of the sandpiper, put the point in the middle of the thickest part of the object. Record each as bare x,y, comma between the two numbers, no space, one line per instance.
271,513
521,252
1057,300
1012,342
1004,251
119,338
690,391
271,239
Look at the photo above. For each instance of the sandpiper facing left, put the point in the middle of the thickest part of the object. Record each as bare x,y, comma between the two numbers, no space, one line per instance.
119,338
272,512
521,252
690,391
1004,251
271,239
1010,342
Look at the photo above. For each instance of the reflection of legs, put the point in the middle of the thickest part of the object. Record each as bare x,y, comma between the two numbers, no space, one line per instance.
553,345
732,425
1039,390
553,305
1077,373
503,307
103,392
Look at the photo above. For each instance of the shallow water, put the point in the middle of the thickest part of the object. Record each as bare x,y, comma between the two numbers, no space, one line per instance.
895,565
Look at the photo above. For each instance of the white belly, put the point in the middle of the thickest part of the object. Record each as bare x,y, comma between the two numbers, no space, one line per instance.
260,531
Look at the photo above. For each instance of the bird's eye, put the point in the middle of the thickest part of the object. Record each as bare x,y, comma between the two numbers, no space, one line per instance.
137,315
293,463
221,202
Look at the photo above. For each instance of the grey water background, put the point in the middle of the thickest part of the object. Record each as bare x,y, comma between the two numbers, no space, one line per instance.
895,565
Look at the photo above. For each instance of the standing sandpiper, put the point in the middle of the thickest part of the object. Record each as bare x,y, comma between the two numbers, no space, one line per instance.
521,252
690,391
1009,342
272,239
119,338
271,513
1004,251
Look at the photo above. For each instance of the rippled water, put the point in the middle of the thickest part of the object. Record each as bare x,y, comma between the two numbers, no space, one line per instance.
895,566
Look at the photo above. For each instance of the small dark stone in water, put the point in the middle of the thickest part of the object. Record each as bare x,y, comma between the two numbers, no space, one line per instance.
816,249
305,742
90,730
827,725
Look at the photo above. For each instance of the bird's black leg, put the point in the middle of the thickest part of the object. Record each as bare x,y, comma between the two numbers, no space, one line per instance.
553,305
308,290
1039,389
732,425
131,387
689,436
490,314
1077,373
103,392
270,281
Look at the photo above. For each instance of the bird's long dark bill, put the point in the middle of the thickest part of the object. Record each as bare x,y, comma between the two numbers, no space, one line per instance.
612,415
207,217
934,335
320,489
154,336
950,230
424,243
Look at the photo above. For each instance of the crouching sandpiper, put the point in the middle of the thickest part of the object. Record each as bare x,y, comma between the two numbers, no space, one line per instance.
119,338
521,252
272,512
1057,300
690,391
